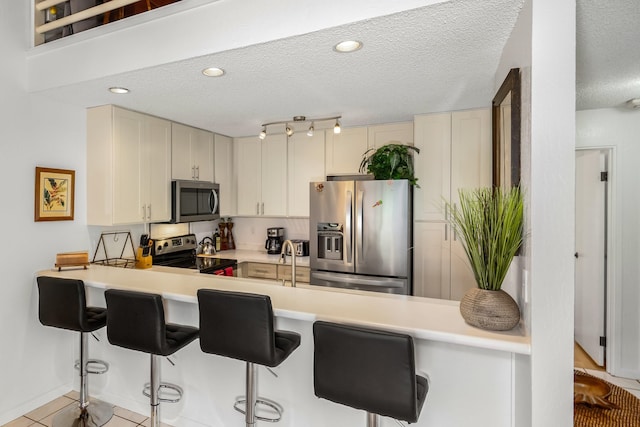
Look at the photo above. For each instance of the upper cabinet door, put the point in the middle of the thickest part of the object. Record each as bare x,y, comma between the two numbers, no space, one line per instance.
345,150
432,166
223,174
274,176
130,181
202,154
392,133
133,186
248,161
181,165
306,164
191,153
159,169
470,151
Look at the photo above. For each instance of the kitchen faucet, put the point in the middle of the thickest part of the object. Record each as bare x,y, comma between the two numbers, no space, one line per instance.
283,260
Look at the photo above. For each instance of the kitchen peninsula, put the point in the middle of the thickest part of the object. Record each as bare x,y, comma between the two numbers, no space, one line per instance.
461,362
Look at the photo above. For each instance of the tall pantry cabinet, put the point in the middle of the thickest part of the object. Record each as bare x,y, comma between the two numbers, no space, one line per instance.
455,153
129,160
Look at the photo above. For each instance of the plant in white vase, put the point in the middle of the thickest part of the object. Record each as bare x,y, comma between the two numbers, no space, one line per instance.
490,221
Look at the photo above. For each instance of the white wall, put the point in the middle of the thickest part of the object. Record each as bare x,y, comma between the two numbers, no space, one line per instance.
620,128
192,33
552,211
517,54
36,363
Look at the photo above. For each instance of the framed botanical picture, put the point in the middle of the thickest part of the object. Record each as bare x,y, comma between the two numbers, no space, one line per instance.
55,192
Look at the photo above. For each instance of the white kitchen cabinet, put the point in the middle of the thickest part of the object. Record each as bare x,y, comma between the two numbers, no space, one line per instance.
261,174
390,133
305,165
223,174
191,153
432,166
344,150
431,260
129,164
455,153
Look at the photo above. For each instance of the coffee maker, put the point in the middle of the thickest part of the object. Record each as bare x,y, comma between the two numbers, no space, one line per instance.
275,238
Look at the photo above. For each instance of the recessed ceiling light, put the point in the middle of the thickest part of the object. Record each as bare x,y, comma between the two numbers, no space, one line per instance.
116,89
213,72
348,46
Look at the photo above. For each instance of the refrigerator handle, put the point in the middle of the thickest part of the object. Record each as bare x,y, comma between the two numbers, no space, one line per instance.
347,227
359,225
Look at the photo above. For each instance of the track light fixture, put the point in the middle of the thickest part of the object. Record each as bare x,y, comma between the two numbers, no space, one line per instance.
297,119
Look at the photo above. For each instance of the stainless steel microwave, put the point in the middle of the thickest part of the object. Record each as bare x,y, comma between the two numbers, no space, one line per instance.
194,201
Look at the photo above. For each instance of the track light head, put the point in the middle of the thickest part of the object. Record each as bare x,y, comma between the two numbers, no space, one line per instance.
336,128
289,129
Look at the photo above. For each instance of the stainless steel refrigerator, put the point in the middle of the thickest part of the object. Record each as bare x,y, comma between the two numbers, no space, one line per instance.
361,236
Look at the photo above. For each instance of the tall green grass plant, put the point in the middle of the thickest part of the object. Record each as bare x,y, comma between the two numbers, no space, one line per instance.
490,221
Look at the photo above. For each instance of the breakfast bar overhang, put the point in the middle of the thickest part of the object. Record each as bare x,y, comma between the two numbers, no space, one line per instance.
476,377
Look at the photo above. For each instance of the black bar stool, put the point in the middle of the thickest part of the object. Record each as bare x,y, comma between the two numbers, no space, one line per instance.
368,369
240,326
135,320
62,304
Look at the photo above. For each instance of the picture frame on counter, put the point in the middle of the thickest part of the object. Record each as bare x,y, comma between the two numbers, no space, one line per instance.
54,194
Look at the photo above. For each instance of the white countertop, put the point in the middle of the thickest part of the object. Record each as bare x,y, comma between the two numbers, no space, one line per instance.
423,318
259,256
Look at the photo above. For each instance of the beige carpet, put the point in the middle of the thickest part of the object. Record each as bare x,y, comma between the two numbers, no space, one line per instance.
627,414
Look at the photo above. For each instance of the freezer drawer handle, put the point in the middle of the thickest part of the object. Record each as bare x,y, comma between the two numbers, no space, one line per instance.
358,281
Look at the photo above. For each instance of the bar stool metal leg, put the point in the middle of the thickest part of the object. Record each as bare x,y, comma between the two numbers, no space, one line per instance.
252,395
373,420
86,414
155,389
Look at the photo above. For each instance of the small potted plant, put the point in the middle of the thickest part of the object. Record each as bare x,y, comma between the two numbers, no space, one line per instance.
391,161
490,221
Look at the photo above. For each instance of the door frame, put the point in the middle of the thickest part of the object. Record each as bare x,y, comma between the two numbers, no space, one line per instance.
612,307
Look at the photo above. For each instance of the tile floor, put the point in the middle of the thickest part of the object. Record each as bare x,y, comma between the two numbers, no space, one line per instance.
43,415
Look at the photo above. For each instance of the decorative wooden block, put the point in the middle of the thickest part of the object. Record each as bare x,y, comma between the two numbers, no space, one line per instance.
72,259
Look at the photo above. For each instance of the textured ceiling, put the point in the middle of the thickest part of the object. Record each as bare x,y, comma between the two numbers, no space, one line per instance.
607,53
436,58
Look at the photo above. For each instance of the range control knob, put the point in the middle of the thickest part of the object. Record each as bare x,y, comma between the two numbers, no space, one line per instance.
166,244
159,248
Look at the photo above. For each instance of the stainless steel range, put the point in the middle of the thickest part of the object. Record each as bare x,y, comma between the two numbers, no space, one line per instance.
180,252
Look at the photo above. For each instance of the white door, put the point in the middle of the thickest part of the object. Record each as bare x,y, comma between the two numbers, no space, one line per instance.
590,271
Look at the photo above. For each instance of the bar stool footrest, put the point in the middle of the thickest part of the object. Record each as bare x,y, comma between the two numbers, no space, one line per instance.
275,406
94,366
173,396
